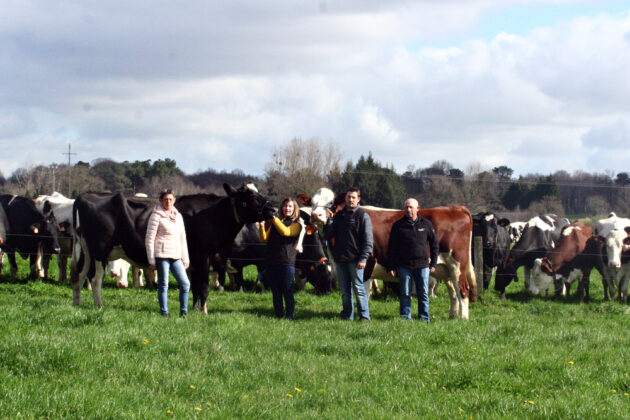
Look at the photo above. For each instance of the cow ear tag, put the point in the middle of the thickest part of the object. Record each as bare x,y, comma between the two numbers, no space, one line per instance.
35,230
62,229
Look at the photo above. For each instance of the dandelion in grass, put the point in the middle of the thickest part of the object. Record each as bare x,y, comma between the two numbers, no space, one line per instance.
209,404
245,396
530,402
444,388
435,373
289,395
474,348
460,409
321,390
198,408
145,341
625,374
169,412
571,362
298,389
626,394
613,390
192,387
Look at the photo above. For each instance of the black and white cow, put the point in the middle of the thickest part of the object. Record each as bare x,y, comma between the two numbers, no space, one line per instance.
4,228
30,232
516,230
106,227
312,263
212,222
538,238
495,241
61,207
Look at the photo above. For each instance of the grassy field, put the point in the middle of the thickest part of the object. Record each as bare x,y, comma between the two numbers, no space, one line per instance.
522,358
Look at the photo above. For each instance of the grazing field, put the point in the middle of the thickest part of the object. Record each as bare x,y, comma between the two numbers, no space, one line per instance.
523,358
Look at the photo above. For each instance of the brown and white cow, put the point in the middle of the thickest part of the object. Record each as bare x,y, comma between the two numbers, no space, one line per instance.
573,259
453,226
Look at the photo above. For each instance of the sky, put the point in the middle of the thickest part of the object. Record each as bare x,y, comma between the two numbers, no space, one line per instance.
539,85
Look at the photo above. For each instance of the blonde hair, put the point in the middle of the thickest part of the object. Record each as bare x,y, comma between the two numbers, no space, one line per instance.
296,208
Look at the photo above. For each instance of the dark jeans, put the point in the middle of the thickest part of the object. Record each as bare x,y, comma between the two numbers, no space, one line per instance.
281,279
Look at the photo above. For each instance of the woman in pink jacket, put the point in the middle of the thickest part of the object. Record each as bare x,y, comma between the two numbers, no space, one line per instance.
167,249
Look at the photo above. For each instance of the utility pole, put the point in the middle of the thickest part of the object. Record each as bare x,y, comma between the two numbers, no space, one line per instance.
69,153
53,167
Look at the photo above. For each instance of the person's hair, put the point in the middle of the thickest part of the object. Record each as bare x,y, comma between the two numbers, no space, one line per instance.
354,189
296,208
166,192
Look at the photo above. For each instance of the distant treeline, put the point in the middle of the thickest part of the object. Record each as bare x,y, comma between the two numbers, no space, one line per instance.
289,173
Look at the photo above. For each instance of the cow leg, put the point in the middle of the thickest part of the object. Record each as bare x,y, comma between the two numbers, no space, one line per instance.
36,265
487,275
97,283
526,273
136,274
201,285
62,265
432,287
623,289
12,263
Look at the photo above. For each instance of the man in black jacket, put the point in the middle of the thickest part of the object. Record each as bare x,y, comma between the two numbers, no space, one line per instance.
351,234
408,258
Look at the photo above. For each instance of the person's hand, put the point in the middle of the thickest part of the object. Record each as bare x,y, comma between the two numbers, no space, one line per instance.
360,265
152,266
186,265
392,273
432,270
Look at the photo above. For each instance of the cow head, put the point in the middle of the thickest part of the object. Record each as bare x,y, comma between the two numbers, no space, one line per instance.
316,266
615,243
249,205
542,276
47,230
323,201
487,226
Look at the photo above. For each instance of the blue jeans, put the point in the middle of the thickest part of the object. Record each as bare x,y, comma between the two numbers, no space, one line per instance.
351,282
421,277
179,272
281,279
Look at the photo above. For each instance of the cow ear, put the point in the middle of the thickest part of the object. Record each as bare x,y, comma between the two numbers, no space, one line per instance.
229,189
47,207
304,199
310,229
35,228
504,222
627,229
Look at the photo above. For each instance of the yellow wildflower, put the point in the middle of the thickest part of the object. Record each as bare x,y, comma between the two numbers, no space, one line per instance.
192,387
613,390
530,402
209,404
145,341
289,395
444,388
571,362
298,389
169,412
460,409
198,408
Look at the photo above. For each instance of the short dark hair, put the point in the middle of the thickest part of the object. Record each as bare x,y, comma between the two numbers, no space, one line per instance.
166,192
354,189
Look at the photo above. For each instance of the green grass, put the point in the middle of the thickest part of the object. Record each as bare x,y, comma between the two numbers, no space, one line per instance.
511,360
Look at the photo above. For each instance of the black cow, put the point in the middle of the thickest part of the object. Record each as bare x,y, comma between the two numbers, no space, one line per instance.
4,228
495,241
106,227
538,238
312,262
212,222
30,232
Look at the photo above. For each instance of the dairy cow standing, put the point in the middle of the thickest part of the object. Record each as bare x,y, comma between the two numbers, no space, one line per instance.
212,222
538,238
614,233
30,232
573,258
495,239
453,226
62,209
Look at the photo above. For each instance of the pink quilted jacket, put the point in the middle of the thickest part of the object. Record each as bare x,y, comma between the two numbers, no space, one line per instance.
166,236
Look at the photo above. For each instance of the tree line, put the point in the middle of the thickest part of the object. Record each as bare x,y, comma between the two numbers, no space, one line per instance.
306,165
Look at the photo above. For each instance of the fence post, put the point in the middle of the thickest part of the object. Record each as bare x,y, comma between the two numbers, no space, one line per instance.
478,258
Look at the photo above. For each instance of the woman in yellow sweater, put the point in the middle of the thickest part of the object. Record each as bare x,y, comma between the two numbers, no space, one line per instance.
281,236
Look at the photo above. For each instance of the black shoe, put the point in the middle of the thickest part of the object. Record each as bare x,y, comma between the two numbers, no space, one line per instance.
183,314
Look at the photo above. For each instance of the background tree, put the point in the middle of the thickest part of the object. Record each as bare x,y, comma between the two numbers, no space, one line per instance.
380,185
302,166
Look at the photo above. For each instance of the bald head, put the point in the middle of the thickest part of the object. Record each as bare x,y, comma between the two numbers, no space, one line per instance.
411,208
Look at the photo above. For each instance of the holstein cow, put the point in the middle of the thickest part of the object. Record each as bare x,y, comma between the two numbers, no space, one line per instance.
4,228
516,230
539,237
30,232
572,259
62,209
453,226
312,263
212,222
614,233
495,241
106,227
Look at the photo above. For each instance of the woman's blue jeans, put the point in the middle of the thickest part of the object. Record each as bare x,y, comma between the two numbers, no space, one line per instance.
351,280
420,277
164,265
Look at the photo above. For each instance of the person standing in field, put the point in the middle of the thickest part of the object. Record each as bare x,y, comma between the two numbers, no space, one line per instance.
281,236
350,233
167,250
408,258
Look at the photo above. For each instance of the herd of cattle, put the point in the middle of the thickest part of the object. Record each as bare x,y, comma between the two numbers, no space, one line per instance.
105,233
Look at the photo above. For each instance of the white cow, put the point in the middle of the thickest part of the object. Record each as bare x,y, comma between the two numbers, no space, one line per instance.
119,269
614,232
